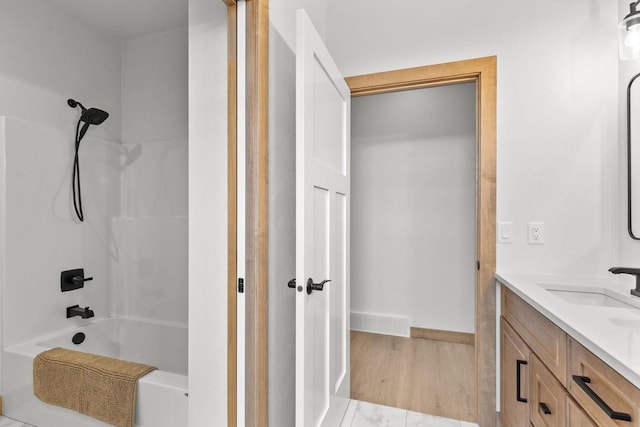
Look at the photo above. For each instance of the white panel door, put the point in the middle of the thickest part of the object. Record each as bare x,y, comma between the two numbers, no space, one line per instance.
322,233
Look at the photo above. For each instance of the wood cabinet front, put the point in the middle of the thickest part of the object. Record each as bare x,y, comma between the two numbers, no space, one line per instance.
550,380
514,371
548,397
576,416
544,338
604,394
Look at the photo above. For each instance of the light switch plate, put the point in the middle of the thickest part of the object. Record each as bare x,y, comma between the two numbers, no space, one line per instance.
505,232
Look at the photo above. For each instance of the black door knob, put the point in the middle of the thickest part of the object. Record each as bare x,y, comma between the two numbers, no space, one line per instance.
315,286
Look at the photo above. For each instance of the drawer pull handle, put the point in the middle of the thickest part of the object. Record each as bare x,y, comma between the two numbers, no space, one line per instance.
519,398
544,408
582,383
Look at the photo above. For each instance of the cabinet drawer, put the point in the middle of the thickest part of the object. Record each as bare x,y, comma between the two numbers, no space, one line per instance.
576,416
599,389
548,397
546,340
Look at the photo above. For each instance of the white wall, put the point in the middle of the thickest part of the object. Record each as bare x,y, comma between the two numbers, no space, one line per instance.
150,274
627,250
413,208
557,107
207,213
48,57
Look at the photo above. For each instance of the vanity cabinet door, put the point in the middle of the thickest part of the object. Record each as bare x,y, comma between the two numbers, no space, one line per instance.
545,339
514,371
576,416
548,397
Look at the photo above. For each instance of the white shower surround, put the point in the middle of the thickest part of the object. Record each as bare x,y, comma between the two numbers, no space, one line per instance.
41,232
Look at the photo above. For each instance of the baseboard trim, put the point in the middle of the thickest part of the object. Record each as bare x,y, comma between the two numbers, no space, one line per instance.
380,324
440,335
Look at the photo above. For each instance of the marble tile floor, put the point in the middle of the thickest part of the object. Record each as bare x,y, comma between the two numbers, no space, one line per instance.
359,414
8,422
364,414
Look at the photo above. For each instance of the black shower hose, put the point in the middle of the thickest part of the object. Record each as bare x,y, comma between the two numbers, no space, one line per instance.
77,195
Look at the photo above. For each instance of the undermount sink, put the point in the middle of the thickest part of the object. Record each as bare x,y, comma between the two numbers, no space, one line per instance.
592,296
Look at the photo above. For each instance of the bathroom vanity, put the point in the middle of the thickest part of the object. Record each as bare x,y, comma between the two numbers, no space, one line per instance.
569,353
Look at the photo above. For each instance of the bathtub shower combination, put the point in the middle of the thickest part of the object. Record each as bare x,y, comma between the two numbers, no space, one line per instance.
163,345
137,295
94,184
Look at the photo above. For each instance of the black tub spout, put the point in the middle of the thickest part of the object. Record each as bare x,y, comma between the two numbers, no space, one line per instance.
76,310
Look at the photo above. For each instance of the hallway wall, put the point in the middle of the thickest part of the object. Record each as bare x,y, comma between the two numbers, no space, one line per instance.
413,208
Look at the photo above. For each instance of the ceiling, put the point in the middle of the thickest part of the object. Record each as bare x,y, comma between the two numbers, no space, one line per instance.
126,19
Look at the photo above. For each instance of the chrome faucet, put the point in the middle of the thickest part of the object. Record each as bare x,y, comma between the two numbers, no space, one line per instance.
76,310
632,271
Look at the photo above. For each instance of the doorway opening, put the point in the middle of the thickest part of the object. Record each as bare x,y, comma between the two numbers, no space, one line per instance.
413,252
482,72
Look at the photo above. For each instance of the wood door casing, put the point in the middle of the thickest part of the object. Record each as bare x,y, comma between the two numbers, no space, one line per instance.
257,213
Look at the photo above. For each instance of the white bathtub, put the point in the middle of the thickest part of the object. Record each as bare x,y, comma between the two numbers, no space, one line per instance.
162,394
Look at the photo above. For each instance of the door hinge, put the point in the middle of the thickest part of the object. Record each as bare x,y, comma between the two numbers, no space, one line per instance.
478,265
241,285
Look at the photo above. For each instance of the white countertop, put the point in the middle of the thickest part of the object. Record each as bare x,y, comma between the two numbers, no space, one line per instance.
612,334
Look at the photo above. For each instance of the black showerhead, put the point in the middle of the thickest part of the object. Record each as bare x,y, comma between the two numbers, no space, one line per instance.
94,116
91,116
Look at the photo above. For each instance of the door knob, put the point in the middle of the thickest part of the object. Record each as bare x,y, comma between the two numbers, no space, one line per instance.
315,286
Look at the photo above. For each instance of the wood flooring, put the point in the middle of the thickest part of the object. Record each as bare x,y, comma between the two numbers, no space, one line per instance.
421,375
